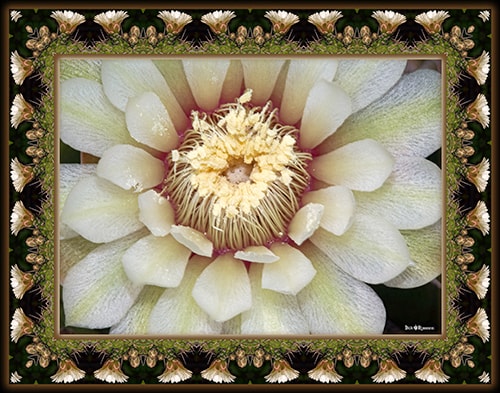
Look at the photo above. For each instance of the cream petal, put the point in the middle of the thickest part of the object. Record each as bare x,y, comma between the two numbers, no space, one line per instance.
260,75
339,206
88,121
425,250
363,165
136,321
159,261
96,292
173,73
288,275
149,122
326,108
223,288
368,80
87,68
72,251
233,84
305,222
156,212
69,175
130,168
192,239
407,121
259,254
301,77
123,79
411,197
271,312
176,312
206,78
336,303
372,250
100,211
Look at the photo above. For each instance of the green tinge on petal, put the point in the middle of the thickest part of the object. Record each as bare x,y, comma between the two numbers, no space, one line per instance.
372,250
336,303
80,68
411,197
426,253
96,292
72,251
100,211
271,312
136,321
176,312
88,120
223,288
407,121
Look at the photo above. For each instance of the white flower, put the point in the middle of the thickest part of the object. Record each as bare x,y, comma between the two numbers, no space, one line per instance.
20,174
15,377
20,281
325,372
325,20
111,372
68,20
479,174
484,377
68,372
479,281
479,68
484,15
218,372
20,325
111,20
479,110
432,372
20,111
174,372
206,204
432,20
281,20
20,218
20,67
218,20
281,372
174,20
479,325
480,218
388,20
388,372
15,15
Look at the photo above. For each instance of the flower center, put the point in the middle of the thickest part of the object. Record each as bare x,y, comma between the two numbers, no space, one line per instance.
238,176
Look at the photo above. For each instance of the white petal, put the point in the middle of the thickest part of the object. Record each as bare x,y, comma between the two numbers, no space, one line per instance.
72,251
288,275
69,175
100,211
367,80
176,312
407,121
363,165
206,78
136,321
87,68
192,239
336,303
260,75
233,84
88,121
156,212
126,78
372,250
149,122
411,197
301,76
426,252
159,261
223,288
339,206
326,108
96,292
130,168
271,312
305,222
260,254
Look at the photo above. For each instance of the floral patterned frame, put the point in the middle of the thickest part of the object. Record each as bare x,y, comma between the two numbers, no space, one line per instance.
39,354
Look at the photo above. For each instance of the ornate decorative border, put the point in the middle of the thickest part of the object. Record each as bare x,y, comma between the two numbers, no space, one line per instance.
38,355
